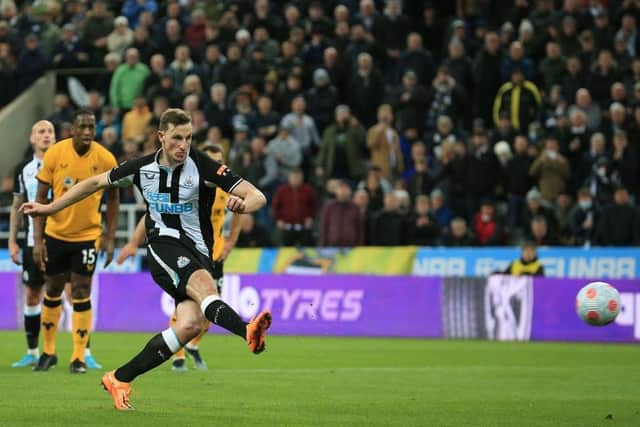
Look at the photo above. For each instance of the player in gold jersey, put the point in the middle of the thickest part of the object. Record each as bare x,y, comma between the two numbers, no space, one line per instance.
222,246
69,245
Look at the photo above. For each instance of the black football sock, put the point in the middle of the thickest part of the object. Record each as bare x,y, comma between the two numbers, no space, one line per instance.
157,351
218,312
32,325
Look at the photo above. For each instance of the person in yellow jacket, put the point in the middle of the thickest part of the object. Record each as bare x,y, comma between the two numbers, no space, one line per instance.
528,264
520,99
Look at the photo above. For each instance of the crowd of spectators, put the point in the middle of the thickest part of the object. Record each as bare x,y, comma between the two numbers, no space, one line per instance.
468,122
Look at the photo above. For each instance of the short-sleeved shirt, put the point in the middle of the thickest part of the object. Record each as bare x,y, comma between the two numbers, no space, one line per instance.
62,168
179,199
25,184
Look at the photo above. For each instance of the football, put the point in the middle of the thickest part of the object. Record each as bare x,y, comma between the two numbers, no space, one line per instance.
598,303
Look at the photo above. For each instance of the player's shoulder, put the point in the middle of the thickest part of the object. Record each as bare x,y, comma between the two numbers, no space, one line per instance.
59,147
138,162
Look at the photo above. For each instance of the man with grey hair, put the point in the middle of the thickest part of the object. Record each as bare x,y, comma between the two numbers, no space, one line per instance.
367,90
591,109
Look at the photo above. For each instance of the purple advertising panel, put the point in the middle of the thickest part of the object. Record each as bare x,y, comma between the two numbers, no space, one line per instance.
555,318
301,305
9,300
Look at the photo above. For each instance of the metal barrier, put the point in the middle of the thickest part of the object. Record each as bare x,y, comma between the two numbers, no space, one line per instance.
129,214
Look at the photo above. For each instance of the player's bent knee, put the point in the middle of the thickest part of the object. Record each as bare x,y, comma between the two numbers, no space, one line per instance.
200,285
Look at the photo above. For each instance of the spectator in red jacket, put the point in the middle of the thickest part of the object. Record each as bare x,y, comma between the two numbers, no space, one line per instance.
341,224
486,227
294,206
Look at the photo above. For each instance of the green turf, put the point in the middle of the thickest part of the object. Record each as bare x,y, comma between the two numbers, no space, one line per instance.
339,382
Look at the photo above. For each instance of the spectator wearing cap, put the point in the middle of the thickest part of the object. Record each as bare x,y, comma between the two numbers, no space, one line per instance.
383,142
322,99
516,59
302,126
624,162
31,64
294,208
367,90
285,155
619,223
551,170
487,228
592,111
553,65
121,36
341,148
96,28
519,98
517,181
128,81
133,8
486,75
416,59
341,223
583,219
70,51
602,76
409,103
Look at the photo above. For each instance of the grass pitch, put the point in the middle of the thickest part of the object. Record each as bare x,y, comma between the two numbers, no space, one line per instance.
338,382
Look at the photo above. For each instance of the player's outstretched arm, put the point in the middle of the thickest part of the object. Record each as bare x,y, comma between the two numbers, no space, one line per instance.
249,198
78,192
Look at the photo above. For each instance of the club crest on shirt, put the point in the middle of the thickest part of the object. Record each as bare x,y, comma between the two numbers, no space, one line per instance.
68,182
188,183
183,261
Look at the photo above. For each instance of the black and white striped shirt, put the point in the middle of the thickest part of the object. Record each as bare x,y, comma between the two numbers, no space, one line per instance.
25,184
178,199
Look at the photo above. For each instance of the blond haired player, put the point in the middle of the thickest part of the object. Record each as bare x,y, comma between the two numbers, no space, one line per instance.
68,245
221,248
